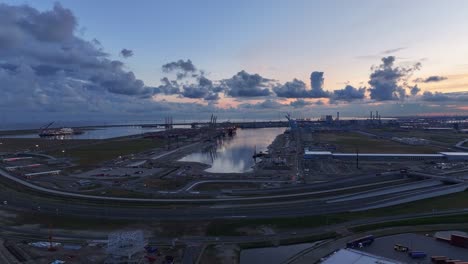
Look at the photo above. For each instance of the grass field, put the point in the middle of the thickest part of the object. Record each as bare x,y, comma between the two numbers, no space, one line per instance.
92,155
451,219
448,138
452,201
349,142
43,144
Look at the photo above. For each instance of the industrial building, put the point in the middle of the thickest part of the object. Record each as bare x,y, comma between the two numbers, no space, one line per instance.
357,257
448,156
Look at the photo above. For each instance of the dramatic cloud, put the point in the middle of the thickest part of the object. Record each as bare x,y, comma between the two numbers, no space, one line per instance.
46,67
181,68
297,88
299,103
431,79
316,82
203,89
195,85
349,93
126,53
294,89
244,84
385,80
167,87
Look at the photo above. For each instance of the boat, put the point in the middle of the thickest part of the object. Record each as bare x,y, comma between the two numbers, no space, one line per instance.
51,132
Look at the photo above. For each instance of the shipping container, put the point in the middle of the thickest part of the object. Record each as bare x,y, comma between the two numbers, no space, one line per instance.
417,254
459,241
434,259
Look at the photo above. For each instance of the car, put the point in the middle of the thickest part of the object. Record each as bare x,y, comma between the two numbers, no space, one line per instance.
138,172
5,202
400,248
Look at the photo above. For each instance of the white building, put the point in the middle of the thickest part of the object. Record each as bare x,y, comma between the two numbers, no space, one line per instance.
357,257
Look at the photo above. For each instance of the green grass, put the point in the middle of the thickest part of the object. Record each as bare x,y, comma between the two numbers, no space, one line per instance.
349,142
451,201
69,222
95,154
451,219
448,138
17,132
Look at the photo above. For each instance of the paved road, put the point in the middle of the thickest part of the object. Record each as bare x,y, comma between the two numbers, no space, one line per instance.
194,184
173,151
290,205
460,144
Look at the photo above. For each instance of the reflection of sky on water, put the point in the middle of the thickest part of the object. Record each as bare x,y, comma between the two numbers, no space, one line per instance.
234,155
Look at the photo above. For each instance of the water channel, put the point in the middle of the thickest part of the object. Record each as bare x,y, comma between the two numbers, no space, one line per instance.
234,154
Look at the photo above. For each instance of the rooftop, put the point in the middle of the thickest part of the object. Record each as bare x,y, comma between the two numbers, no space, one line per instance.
357,257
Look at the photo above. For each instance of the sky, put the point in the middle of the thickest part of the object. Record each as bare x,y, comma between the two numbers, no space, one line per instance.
239,59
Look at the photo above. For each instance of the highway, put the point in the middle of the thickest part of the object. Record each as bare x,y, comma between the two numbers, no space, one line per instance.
120,208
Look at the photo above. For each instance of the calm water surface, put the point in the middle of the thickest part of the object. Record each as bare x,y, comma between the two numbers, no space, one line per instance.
99,133
234,154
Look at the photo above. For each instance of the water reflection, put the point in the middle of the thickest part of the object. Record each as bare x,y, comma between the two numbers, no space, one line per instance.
234,154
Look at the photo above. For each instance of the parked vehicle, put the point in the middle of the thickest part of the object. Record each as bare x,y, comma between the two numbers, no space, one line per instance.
400,248
360,242
417,254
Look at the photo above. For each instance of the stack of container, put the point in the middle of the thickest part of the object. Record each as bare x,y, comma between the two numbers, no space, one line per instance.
446,260
459,241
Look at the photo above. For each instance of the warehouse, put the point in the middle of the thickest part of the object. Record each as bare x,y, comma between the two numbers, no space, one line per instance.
449,156
357,257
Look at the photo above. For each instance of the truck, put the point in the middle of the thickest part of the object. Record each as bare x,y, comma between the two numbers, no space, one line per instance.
360,242
417,254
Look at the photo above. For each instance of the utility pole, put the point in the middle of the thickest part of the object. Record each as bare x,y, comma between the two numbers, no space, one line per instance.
357,158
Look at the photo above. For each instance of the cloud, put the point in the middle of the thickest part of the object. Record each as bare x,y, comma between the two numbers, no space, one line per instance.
390,51
293,89
299,103
316,82
126,53
204,89
429,79
267,104
45,66
181,67
244,84
297,88
167,87
349,93
386,78
415,90
443,97
195,85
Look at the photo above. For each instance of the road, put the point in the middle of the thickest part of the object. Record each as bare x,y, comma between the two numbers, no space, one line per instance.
173,151
119,210
193,184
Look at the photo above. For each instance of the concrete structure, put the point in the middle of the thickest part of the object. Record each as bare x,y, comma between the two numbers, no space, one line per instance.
454,156
53,172
449,156
136,164
357,257
411,140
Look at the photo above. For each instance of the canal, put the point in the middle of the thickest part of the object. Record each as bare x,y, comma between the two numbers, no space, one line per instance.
234,154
